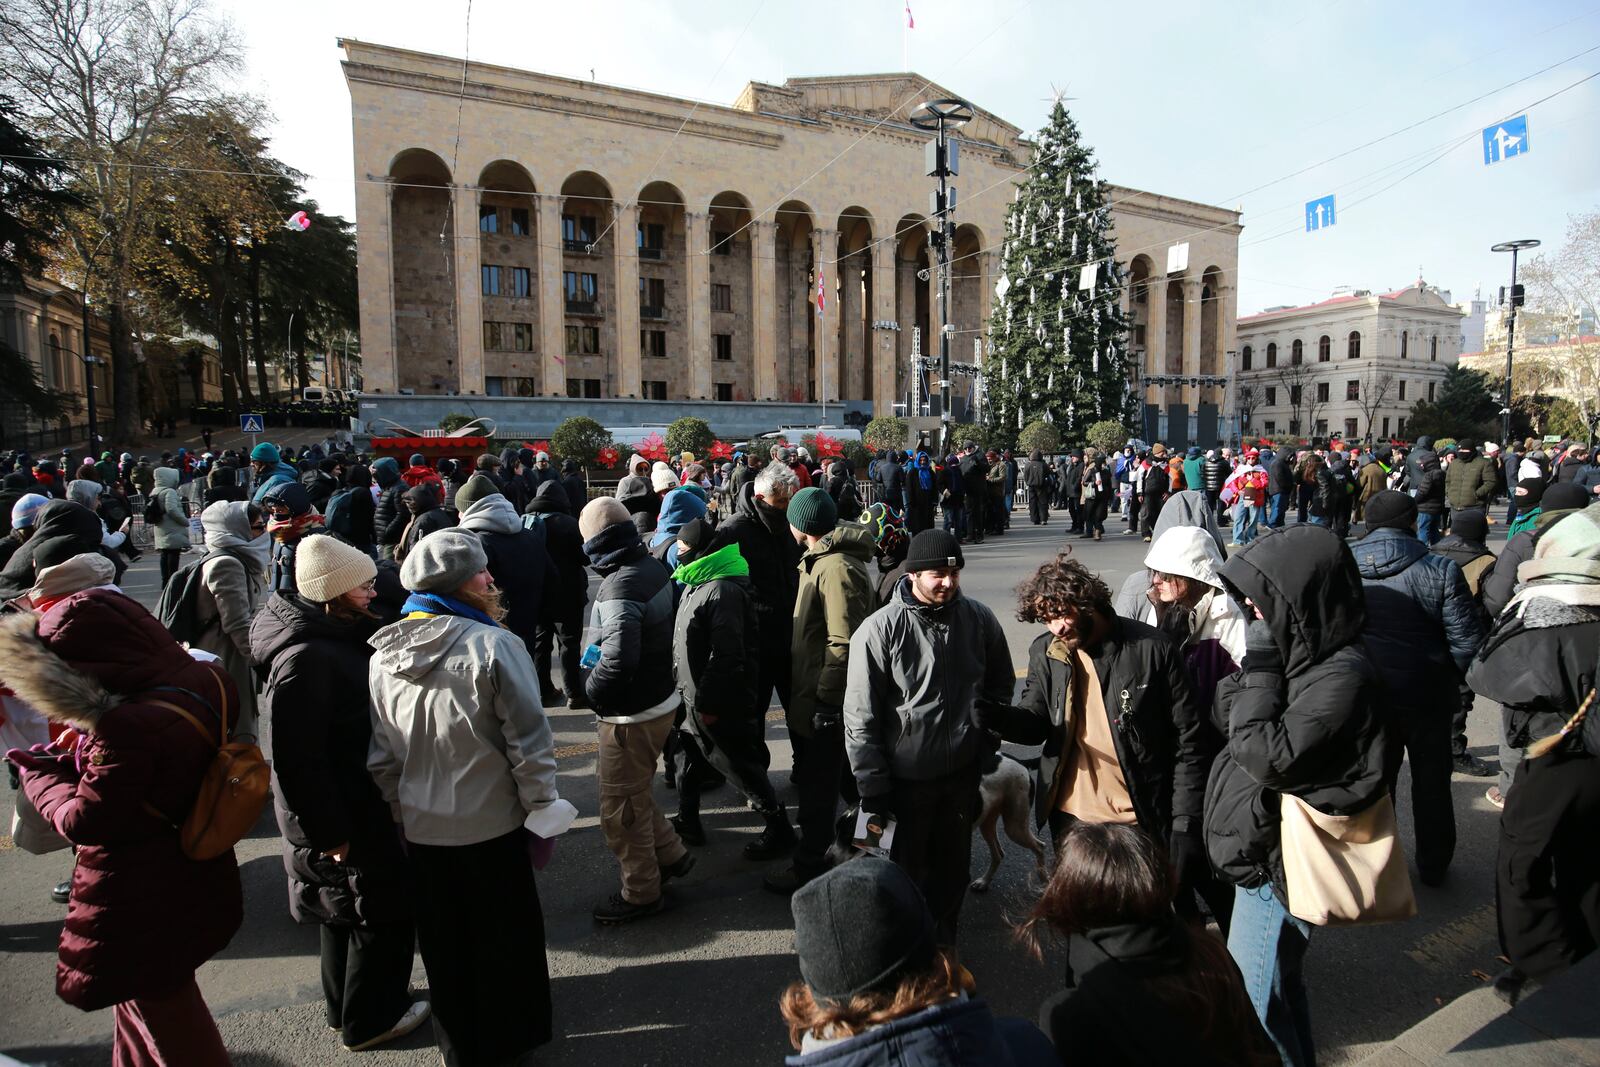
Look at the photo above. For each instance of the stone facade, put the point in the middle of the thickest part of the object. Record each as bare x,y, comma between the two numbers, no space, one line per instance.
593,241
1355,359
44,322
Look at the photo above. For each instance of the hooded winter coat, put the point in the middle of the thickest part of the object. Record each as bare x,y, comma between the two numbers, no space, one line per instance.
576,489
1422,627
389,513
62,529
1501,582
1211,633
762,534
915,670
1423,451
173,529
564,543
461,749
519,562
633,618
320,485
360,529
631,483
424,516
835,597
142,916
957,1033
17,485
714,639
1188,508
1429,485
233,576
315,692
1309,727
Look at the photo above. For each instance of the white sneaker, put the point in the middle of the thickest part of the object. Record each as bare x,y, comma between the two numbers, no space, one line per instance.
414,1017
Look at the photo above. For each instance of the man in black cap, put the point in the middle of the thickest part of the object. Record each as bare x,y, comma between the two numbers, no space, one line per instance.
1422,629
916,667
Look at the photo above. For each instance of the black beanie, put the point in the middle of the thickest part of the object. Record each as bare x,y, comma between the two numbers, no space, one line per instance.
1391,508
859,927
1471,525
1564,496
698,534
932,549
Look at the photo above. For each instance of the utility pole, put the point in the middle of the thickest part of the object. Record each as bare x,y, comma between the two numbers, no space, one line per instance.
943,162
1511,330
88,379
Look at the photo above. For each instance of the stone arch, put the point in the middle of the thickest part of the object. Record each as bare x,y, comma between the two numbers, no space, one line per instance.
589,302
506,228
913,304
847,355
794,221
732,297
422,235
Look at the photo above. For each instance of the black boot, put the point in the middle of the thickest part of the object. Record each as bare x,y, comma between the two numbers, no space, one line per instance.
778,839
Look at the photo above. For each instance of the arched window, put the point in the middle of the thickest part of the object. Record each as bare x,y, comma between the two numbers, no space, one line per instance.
1433,348
1297,353
1272,354
1353,345
1405,346
1324,349
1246,358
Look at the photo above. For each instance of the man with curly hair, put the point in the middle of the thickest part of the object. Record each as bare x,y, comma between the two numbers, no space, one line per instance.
1110,700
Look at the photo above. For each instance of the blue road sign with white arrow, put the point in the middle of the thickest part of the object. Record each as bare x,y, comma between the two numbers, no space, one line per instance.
252,424
1505,139
1319,213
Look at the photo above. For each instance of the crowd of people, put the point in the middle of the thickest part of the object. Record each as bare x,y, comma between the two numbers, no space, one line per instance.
392,635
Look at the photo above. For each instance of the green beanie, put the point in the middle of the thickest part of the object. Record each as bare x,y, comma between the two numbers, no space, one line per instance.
812,511
478,486
265,452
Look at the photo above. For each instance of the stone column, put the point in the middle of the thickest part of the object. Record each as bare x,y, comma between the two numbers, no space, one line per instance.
469,292
625,259
1192,308
987,266
852,341
697,246
552,298
1227,337
906,305
375,277
763,310
882,350
824,257
1155,338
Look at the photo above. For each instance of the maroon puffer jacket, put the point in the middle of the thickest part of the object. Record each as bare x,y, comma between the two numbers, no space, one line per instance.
143,916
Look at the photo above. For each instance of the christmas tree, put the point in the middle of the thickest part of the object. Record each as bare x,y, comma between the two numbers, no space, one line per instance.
1057,338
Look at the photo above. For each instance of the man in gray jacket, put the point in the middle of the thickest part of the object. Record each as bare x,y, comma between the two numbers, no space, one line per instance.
916,667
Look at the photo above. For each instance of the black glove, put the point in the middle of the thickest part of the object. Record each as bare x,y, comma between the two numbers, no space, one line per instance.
1188,855
1261,652
827,716
995,717
880,807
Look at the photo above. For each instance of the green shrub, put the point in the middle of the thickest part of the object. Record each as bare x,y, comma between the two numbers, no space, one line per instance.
1108,435
454,421
690,434
1039,434
580,438
886,431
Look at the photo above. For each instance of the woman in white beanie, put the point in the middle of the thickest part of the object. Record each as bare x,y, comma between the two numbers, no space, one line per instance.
228,583
346,871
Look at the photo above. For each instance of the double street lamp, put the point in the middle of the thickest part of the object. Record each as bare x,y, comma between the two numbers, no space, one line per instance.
1511,330
943,162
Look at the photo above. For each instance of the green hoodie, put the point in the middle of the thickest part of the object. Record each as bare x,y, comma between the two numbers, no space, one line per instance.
725,562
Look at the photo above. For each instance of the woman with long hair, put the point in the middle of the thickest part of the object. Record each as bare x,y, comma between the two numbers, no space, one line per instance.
1142,986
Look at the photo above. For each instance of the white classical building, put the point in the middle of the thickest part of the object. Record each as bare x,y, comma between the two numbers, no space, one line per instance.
1351,366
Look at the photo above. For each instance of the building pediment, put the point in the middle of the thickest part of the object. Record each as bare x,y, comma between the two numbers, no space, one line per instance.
872,97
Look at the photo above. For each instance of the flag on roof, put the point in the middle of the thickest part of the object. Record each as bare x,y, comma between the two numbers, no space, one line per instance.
911,23
822,294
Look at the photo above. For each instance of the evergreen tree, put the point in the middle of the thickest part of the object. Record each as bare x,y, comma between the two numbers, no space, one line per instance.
1058,351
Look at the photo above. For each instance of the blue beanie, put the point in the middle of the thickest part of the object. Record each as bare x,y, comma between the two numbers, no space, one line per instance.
265,452
26,510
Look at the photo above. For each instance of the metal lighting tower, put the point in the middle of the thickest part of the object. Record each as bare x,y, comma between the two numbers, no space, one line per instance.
1511,330
943,162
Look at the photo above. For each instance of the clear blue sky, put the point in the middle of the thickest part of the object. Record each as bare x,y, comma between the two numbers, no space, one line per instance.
1202,101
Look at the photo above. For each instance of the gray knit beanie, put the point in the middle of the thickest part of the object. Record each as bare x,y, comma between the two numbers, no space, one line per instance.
443,562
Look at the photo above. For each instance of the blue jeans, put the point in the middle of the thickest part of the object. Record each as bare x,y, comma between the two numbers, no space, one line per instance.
1275,509
1245,520
1269,944
1427,528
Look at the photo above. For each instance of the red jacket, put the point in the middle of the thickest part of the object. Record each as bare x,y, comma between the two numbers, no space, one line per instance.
143,916
415,476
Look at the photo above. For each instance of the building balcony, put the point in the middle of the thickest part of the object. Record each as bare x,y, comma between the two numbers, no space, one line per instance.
654,314
583,307
581,247
650,253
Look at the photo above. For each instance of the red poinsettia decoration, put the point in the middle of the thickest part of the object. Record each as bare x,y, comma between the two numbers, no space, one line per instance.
828,447
721,450
607,456
653,448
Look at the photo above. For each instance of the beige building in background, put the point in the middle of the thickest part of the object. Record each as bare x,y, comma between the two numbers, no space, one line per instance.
587,240
1333,367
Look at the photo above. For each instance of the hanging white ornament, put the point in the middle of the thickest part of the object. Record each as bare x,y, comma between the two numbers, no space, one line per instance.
1047,416
1044,211
1002,368
1019,418
1094,362
1074,243
1033,295
1072,414
1061,222
1027,265
1050,383
1050,275
1002,287
1061,314
1066,338
1077,201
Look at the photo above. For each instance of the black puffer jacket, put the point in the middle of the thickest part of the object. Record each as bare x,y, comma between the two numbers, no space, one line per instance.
762,534
564,543
1213,472
389,514
632,624
62,529
315,698
1429,485
518,560
1310,727
575,489
1539,665
1155,723
714,649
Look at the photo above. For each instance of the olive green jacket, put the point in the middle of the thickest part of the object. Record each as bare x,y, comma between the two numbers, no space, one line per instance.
836,595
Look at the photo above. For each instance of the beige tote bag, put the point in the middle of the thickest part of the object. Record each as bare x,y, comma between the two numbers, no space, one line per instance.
1345,870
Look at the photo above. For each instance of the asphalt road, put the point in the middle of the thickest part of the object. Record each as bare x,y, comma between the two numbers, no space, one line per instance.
699,983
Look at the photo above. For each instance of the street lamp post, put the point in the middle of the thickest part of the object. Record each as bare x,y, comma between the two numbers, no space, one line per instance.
1511,330
943,161
88,381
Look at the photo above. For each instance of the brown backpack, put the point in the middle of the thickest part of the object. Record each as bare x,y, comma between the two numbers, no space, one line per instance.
232,793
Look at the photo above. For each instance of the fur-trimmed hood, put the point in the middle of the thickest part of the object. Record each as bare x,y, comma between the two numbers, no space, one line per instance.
45,680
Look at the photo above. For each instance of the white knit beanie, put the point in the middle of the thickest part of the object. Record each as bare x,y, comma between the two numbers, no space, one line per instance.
325,568
662,479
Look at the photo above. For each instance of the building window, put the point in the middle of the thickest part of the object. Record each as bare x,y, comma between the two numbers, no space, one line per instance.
1352,389
578,232
521,281
1294,397
652,240
722,242
1297,353
583,340
1272,354
488,219
653,390
1138,337
491,280
1270,427
1350,430
1322,392
724,391
1433,349
583,388
1400,427
582,290
1386,426
1405,344
722,298
508,337
1245,358
1402,388
1430,391
1272,395
1322,427
1353,345
519,222
653,343
722,346
652,298
510,387
1324,348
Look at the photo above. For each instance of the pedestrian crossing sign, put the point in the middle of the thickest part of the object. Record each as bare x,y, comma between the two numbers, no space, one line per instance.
252,424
